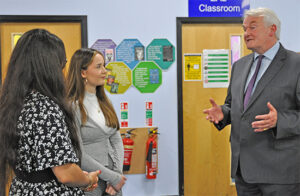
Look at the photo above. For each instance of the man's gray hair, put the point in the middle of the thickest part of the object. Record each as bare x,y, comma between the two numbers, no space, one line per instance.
269,18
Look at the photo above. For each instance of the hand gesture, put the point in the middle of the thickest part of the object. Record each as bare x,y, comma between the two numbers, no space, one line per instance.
266,121
214,114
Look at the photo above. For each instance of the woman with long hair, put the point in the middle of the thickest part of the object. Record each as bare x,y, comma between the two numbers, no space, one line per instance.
97,121
38,137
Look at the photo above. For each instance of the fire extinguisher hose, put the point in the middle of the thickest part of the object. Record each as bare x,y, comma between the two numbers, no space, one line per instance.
149,153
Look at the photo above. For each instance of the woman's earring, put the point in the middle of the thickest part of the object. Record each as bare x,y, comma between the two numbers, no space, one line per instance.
85,80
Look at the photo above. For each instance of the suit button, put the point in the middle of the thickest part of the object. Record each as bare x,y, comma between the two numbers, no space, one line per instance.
245,117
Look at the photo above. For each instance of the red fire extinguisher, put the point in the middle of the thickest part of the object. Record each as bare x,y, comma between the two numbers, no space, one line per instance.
128,148
151,159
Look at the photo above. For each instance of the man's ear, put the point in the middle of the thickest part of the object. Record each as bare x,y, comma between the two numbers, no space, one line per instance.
273,29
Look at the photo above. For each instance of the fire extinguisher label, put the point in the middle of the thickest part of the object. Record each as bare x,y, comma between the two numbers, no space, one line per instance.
149,107
127,156
124,114
128,147
154,158
128,144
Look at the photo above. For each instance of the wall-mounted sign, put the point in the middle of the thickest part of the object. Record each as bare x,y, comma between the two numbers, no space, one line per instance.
149,117
192,67
14,38
218,8
216,68
124,114
131,52
107,47
147,77
162,52
118,78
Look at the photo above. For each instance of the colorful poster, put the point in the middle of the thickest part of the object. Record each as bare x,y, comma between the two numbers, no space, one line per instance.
147,77
124,114
192,67
107,47
149,116
118,78
130,51
162,52
216,68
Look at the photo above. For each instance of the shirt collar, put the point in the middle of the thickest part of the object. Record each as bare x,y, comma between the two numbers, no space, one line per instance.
270,54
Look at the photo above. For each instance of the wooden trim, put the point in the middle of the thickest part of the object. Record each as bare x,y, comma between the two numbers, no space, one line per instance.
179,22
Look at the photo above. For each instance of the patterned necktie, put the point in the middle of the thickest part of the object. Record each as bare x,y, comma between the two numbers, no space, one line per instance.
252,82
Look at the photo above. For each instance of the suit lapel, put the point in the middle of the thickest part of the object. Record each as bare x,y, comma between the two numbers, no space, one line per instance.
269,74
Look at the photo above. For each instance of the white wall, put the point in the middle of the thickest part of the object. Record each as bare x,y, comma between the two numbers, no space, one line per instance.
146,20
289,14
117,20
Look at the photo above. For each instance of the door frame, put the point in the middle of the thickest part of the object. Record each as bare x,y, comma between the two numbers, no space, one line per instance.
82,19
179,22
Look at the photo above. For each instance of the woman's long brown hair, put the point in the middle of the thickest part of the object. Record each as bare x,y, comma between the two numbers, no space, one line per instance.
81,59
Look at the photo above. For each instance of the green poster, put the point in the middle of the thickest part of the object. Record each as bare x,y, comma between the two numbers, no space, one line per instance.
147,77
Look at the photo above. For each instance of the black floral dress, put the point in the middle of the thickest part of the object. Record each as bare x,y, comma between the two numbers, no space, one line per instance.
44,143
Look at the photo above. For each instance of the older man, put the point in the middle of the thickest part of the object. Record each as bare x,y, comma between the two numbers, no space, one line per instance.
263,108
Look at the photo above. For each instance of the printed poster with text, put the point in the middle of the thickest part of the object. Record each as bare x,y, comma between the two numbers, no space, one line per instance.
192,67
107,47
118,78
147,77
216,68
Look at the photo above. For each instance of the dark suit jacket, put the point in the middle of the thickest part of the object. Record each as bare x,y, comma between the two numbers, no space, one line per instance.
272,156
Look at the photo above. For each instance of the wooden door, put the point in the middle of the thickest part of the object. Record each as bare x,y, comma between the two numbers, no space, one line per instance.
205,150
71,29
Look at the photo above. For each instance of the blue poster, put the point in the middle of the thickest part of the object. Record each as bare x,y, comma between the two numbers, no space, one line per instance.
218,8
131,52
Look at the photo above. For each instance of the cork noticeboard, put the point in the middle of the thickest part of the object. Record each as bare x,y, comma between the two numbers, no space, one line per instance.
138,158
